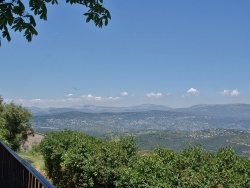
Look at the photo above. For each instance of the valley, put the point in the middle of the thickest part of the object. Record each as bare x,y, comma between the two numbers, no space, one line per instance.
210,126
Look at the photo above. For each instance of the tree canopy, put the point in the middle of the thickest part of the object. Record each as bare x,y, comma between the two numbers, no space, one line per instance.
14,124
17,16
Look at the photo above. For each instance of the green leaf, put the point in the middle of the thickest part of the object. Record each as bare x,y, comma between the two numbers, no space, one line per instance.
32,21
6,35
13,14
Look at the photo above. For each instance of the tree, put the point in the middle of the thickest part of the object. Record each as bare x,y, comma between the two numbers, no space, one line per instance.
3,131
14,124
73,159
14,15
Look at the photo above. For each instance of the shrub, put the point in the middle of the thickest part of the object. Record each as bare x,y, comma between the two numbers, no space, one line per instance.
73,159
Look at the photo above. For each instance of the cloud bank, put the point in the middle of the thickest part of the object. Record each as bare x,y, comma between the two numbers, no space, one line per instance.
69,100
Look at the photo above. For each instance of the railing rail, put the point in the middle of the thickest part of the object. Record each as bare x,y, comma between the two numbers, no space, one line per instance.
15,172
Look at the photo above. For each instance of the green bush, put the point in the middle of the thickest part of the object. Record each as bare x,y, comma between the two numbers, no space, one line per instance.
73,159
190,168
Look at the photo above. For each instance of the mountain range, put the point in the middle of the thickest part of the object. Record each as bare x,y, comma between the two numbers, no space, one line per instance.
98,109
99,120
218,110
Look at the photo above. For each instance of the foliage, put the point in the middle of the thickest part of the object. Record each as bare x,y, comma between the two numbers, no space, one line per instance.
14,124
35,158
190,168
3,131
14,15
73,159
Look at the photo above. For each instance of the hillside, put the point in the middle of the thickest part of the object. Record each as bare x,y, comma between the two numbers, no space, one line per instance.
211,126
210,140
146,117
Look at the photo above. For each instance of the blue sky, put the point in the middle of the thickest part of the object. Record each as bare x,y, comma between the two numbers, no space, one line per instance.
174,53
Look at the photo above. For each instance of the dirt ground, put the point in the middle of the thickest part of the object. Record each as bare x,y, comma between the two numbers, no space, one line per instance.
32,140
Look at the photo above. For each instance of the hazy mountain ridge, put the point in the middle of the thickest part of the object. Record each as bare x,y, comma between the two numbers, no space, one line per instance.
98,109
195,118
220,110
229,110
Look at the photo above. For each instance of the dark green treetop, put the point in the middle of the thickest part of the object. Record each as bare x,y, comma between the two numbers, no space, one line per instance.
15,124
14,15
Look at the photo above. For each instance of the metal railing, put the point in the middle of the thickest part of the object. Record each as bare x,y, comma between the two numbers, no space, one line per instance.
15,172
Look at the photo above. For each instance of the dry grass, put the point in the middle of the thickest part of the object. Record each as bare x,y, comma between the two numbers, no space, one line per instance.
30,152
35,158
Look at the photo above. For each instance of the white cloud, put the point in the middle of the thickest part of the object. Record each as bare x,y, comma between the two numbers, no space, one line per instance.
191,91
114,98
235,93
70,95
228,92
90,97
154,95
67,101
33,100
225,92
124,93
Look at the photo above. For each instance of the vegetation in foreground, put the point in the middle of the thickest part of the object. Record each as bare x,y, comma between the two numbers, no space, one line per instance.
14,124
73,159
35,158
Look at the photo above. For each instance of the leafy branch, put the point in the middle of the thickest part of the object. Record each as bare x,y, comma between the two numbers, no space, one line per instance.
13,15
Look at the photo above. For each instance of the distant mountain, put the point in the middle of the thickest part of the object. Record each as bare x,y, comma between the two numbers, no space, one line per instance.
139,108
219,110
106,122
98,109
148,107
45,111
36,110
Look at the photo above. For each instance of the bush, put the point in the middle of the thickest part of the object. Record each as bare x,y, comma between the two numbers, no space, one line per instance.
73,159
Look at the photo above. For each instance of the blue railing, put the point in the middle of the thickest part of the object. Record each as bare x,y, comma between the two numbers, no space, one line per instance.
15,172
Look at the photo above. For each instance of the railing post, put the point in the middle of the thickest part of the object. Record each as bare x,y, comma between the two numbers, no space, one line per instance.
15,172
